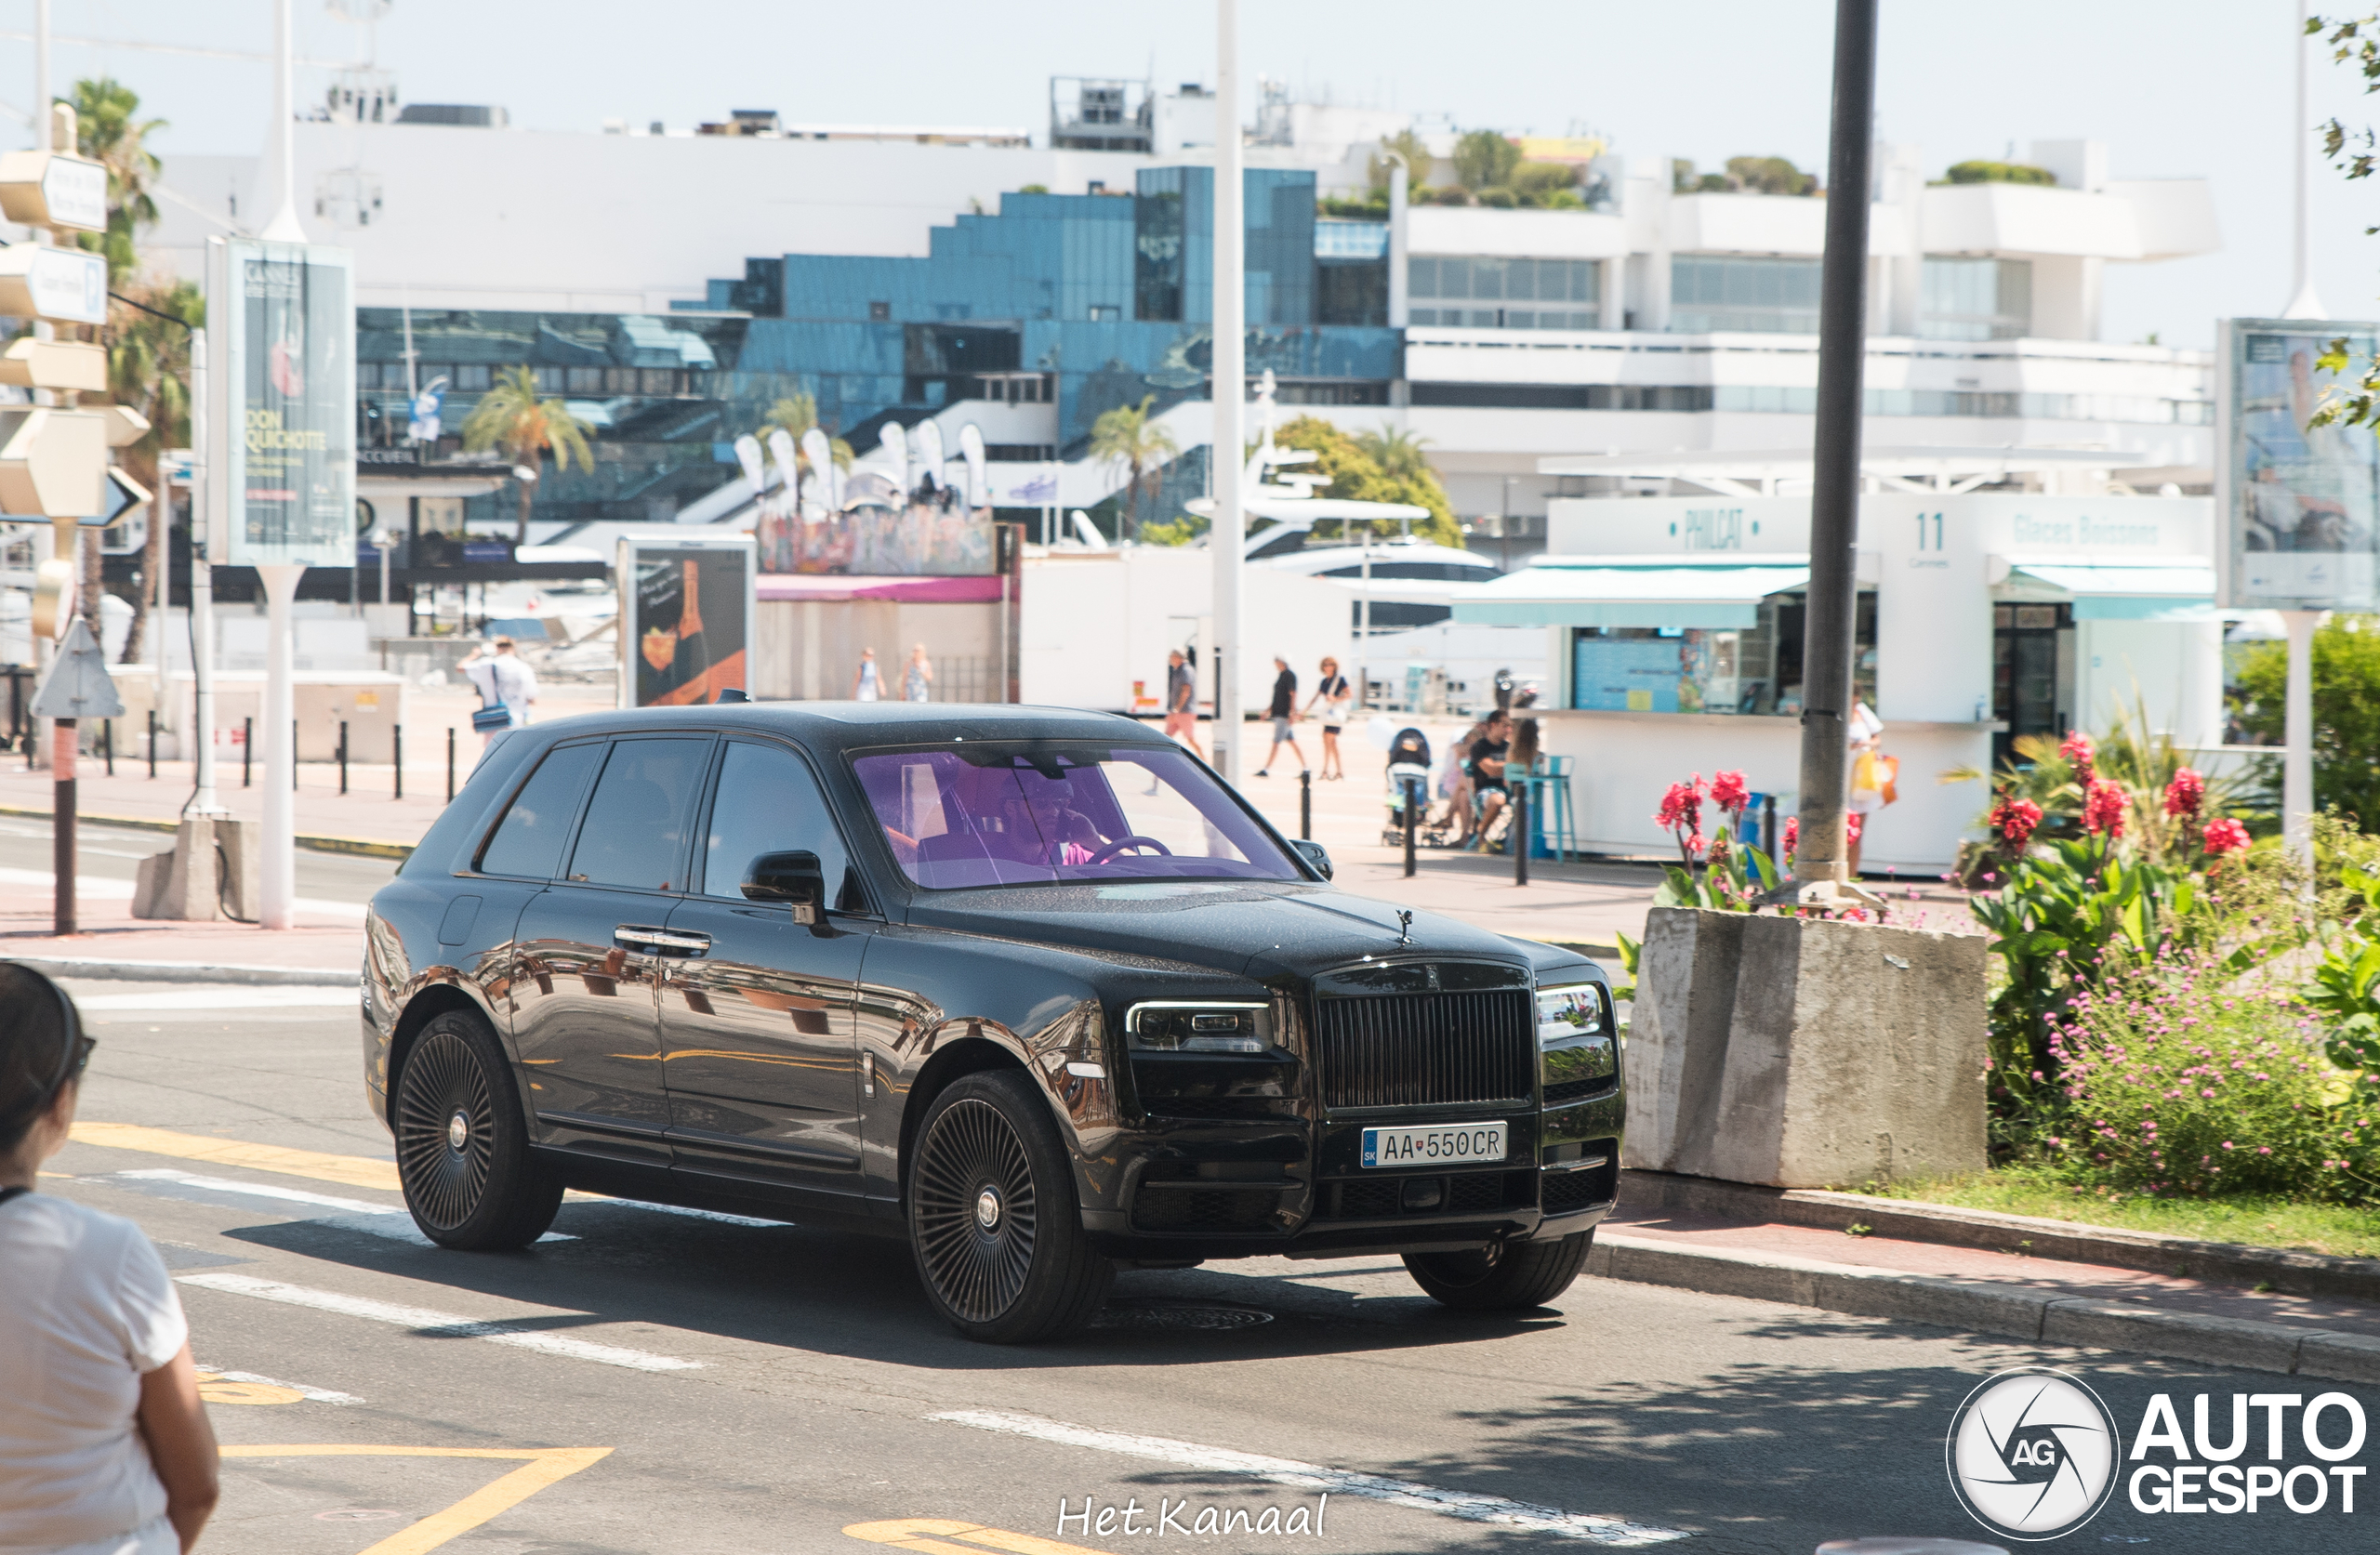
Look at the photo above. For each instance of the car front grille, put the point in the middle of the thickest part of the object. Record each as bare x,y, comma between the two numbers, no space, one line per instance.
1425,1049
1208,1209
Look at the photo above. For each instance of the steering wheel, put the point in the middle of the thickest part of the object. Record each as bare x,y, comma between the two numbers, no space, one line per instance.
1123,842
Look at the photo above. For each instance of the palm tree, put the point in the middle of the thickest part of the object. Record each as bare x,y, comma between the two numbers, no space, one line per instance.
148,369
512,418
1126,436
1398,454
797,412
106,132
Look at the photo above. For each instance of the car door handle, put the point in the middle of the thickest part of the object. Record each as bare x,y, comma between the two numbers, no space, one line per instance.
661,940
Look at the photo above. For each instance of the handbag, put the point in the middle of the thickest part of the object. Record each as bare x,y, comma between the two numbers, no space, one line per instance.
488,719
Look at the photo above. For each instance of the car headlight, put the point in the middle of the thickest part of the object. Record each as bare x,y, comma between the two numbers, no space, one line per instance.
1575,1037
1200,1028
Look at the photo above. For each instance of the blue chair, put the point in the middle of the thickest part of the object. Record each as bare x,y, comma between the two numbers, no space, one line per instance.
1553,816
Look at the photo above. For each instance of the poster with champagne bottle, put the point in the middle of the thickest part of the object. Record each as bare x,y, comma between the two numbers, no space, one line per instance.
685,620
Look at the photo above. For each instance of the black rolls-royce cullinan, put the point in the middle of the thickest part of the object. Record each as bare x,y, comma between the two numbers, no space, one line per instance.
1031,988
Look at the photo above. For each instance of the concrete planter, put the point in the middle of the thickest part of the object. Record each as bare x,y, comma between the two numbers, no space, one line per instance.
1804,1053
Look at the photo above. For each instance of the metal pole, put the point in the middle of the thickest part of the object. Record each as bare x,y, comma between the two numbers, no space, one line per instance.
342,756
107,743
247,749
62,832
1412,801
278,873
1834,498
450,764
284,227
2303,302
1399,179
153,746
1305,805
397,741
2298,735
201,594
1518,833
1230,390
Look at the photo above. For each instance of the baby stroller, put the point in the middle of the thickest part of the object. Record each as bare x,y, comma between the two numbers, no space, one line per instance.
1409,757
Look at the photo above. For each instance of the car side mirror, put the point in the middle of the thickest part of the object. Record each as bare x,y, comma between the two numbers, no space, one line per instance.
1315,854
795,880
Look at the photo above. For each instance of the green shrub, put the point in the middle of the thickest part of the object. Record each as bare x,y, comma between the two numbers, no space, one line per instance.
1998,173
2176,1079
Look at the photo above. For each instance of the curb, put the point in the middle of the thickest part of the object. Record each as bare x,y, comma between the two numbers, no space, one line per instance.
2026,1235
2008,1312
312,843
186,971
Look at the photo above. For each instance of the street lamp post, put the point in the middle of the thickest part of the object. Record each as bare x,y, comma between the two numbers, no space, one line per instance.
1230,390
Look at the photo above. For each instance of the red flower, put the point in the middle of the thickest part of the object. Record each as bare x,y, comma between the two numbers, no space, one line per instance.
1728,790
1851,826
2079,751
2015,820
2103,809
1682,806
2224,836
1793,833
2185,794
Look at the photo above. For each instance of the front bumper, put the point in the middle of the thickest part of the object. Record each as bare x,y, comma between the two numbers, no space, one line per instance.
1286,1187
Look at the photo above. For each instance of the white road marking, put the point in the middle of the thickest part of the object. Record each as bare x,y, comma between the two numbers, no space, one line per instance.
437,1325
1314,1476
720,1216
282,996
391,1222
320,1395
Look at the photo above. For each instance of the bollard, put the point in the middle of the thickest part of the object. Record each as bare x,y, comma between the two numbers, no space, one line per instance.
153,746
247,747
450,764
397,739
1516,835
342,756
1413,800
107,743
1305,806
1768,834
61,825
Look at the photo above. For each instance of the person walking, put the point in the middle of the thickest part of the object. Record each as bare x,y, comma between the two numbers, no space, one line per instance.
918,680
504,680
865,687
1284,715
105,1447
1182,702
1335,697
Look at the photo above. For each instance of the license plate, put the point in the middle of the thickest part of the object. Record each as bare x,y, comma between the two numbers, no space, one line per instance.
1445,1144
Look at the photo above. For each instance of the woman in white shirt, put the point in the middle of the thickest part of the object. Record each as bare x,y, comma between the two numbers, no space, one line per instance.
105,1448
1335,698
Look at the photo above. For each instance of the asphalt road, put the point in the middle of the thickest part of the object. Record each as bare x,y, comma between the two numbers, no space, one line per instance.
115,853
672,1383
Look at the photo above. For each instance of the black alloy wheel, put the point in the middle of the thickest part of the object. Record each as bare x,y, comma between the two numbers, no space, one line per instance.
1506,1277
463,1152
993,1218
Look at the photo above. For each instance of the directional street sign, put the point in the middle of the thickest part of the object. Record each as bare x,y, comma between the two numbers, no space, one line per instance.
53,461
78,685
64,285
50,188
123,498
31,364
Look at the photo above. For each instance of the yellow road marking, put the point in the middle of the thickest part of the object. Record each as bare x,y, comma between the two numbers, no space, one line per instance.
918,1534
545,1465
212,1388
356,1171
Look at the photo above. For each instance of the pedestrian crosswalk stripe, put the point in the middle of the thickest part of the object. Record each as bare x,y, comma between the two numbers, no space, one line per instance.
436,1324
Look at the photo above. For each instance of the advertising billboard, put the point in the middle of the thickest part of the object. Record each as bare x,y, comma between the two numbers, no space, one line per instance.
2300,505
685,621
282,389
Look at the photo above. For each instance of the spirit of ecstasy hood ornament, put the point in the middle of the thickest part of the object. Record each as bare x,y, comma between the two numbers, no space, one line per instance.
1404,926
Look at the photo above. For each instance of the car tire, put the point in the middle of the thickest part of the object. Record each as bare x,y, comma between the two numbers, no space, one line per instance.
1512,1278
994,1223
463,1155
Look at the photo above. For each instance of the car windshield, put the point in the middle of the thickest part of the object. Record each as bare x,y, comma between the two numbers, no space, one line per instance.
1028,812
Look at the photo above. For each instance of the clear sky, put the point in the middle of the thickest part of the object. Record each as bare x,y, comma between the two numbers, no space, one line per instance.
2181,89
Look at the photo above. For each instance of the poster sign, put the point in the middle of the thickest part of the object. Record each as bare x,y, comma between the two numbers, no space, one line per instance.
282,383
685,621
2301,506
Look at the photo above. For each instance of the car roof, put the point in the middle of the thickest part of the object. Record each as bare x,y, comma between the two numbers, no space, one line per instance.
849,725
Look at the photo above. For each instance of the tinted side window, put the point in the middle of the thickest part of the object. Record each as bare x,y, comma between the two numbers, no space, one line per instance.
530,840
768,803
635,831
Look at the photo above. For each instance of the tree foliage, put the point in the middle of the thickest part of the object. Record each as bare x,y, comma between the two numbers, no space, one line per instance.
1360,470
1744,175
511,418
108,131
2355,41
2347,710
797,412
148,370
1406,143
1981,172
1129,437
1484,159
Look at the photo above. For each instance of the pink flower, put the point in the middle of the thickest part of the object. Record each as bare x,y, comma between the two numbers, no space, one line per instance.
1682,806
1728,790
2015,820
1696,843
2185,794
2103,808
2224,836
2079,752
1852,827
1793,832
